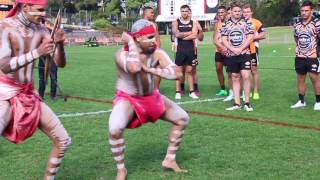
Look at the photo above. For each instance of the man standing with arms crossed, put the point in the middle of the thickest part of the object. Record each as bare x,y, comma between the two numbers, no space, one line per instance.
137,101
306,35
185,30
23,40
259,34
237,34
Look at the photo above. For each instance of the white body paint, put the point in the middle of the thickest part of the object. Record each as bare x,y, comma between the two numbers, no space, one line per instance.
17,42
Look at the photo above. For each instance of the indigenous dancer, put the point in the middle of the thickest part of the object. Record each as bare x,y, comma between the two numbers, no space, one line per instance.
137,101
23,40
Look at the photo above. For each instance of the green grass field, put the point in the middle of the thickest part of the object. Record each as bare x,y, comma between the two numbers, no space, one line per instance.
272,142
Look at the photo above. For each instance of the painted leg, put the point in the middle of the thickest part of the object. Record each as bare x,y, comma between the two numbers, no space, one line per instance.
51,125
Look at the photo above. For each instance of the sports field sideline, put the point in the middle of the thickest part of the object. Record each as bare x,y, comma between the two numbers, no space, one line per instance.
272,142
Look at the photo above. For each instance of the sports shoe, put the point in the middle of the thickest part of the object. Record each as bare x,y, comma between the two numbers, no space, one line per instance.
299,104
228,98
178,96
222,93
53,98
234,107
247,107
193,95
256,96
316,106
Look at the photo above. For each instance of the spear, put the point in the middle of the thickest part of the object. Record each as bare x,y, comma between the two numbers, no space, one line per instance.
50,58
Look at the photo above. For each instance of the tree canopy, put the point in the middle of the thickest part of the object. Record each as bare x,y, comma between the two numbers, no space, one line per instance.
270,12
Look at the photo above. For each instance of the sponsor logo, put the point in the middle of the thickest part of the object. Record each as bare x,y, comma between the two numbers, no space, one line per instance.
247,67
247,63
314,65
304,41
313,69
236,37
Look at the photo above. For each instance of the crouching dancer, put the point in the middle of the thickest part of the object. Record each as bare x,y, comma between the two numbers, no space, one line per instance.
23,40
137,101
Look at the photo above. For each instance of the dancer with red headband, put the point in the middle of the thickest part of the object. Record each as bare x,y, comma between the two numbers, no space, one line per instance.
23,39
137,101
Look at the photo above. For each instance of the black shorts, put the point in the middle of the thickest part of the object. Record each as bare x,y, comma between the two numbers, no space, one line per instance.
254,59
186,57
305,65
220,58
237,63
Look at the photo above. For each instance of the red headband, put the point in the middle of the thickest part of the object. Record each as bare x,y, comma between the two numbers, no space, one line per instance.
144,31
13,11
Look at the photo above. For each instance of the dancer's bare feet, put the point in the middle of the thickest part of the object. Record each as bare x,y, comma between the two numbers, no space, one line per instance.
172,165
121,174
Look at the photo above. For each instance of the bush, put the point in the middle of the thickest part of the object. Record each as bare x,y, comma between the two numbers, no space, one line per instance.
101,24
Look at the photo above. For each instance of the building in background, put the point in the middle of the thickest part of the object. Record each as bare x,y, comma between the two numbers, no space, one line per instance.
5,6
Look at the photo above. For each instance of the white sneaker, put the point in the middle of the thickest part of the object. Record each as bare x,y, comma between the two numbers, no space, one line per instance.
228,98
316,106
299,104
178,96
193,95
247,108
234,107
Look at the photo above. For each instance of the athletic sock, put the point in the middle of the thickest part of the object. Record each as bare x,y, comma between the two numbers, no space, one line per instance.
301,98
318,98
182,86
195,85
230,92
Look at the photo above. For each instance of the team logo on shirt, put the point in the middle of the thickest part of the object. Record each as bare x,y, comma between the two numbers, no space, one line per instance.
236,37
304,41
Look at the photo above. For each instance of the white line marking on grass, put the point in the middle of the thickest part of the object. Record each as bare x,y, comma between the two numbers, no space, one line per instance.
200,101
84,114
108,111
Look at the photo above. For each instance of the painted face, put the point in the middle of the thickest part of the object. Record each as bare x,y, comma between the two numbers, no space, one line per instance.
35,13
236,13
221,14
247,13
185,13
305,12
149,14
147,43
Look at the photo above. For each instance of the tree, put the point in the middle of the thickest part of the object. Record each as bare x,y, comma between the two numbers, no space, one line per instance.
89,5
112,8
277,12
